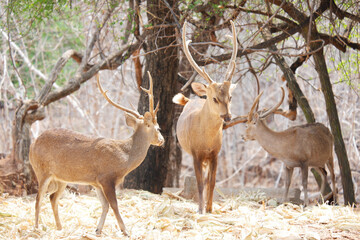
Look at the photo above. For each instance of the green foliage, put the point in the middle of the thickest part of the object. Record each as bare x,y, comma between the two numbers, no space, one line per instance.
348,68
45,38
203,10
34,12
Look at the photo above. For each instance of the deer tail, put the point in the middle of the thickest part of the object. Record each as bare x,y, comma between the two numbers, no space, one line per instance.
180,99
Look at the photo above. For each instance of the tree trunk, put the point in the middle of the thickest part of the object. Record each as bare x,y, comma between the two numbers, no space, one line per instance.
30,111
303,103
23,120
321,68
163,66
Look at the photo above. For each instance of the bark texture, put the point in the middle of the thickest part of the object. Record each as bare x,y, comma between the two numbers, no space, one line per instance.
314,39
163,66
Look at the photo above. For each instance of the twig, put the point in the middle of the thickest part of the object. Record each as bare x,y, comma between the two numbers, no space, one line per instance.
241,168
263,26
4,75
7,37
173,14
191,79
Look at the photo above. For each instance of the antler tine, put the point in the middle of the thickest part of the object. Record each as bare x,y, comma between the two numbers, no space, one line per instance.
231,68
156,109
137,115
256,102
202,72
151,95
275,107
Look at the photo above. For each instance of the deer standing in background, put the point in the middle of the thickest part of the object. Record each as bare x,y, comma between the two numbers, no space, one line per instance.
304,146
200,125
61,156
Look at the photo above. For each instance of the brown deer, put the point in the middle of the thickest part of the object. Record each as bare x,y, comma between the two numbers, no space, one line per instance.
200,125
304,146
61,156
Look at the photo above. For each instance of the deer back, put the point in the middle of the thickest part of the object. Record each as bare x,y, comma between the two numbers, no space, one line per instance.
73,157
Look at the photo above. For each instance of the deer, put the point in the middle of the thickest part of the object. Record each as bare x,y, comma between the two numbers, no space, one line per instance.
61,156
200,124
304,146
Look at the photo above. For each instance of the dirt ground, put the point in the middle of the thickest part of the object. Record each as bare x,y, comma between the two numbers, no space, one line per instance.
168,216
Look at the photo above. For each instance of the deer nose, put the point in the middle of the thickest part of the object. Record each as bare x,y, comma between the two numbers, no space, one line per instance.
226,117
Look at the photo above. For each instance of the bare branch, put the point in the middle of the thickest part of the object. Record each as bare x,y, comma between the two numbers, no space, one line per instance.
113,61
53,76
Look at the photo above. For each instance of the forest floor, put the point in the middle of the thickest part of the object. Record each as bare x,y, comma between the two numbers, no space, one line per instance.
169,216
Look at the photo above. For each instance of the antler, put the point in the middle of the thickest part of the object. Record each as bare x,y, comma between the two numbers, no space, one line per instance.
231,68
256,102
136,114
202,72
275,107
151,97
271,110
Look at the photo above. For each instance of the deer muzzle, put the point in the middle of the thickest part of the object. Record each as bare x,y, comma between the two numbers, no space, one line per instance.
226,117
161,141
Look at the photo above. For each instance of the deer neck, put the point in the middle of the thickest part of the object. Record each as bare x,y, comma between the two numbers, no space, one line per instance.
273,142
139,144
210,119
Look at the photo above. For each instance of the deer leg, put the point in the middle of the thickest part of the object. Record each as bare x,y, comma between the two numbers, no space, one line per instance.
43,185
109,192
105,209
288,175
211,184
206,177
54,199
330,165
304,174
200,183
322,173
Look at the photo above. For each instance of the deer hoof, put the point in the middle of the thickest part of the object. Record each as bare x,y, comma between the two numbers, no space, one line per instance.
125,233
98,232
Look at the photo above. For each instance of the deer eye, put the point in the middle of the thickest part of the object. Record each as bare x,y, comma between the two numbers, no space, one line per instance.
230,98
215,100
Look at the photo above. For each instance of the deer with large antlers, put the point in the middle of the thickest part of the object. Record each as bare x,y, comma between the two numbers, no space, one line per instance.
60,156
200,125
304,146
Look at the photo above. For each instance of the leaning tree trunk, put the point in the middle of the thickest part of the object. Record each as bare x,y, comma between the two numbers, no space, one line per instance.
32,110
289,75
25,116
163,66
321,68
304,105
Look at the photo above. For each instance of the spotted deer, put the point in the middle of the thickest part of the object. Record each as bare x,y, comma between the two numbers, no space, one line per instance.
199,127
304,146
60,156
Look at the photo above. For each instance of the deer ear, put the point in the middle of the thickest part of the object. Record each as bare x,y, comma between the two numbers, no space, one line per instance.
199,88
130,120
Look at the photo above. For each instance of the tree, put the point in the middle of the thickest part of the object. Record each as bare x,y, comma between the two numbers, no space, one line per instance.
306,25
312,36
163,65
299,30
31,110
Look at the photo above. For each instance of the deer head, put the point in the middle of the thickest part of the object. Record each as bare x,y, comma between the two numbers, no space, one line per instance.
255,117
218,94
148,122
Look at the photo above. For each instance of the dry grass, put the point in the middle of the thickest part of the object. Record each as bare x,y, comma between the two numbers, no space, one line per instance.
151,216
